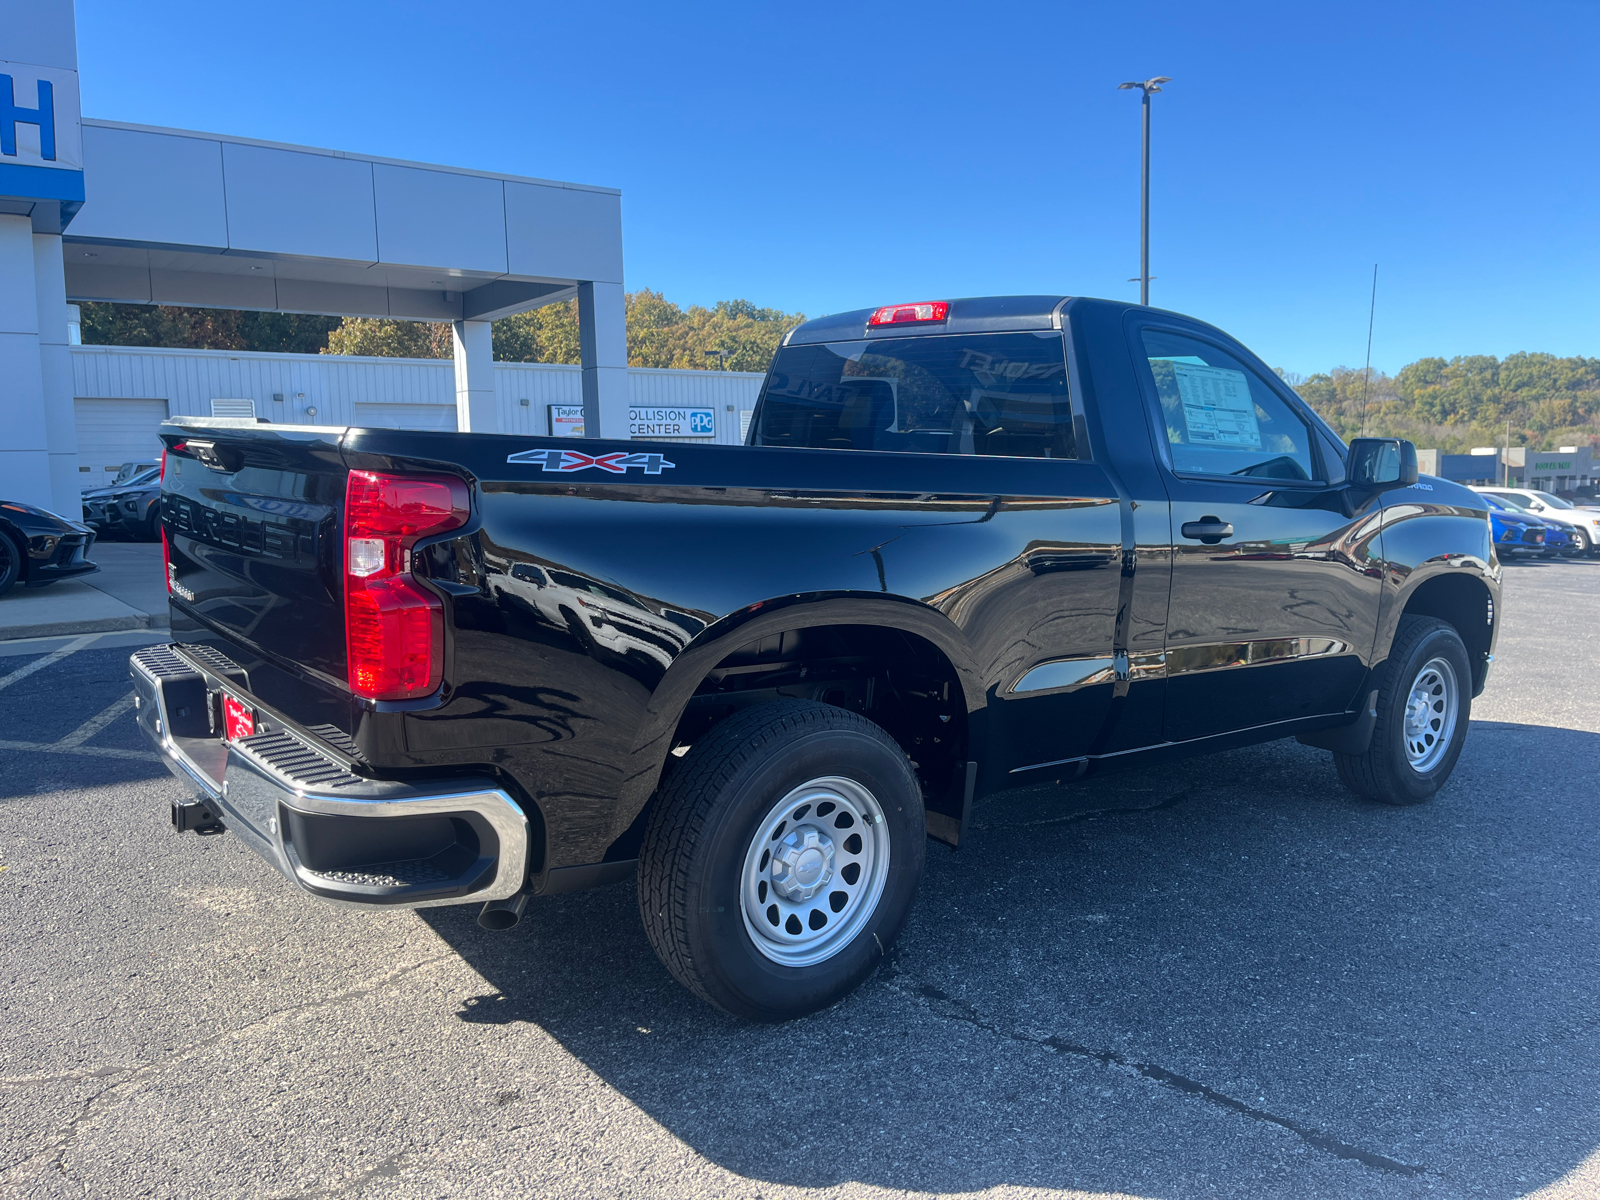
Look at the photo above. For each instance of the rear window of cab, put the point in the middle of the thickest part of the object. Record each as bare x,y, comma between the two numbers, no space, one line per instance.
986,393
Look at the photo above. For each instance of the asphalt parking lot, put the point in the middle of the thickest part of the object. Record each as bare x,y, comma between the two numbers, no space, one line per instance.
1226,978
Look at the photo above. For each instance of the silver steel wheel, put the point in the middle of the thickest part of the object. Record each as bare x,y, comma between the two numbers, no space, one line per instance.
814,871
1430,717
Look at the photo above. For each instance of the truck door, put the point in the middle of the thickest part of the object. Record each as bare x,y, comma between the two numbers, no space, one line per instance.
1275,595
1021,543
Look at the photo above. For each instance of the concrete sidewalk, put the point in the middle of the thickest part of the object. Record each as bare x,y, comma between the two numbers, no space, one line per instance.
126,593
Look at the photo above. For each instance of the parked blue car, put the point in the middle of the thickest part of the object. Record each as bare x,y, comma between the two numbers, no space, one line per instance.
1516,532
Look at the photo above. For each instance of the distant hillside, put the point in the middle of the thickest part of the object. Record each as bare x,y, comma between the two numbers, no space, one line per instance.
1464,402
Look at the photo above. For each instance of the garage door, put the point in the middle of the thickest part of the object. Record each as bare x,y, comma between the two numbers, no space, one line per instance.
112,432
440,418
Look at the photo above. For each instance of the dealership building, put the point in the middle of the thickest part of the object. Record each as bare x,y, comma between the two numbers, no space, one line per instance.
1567,469
102,210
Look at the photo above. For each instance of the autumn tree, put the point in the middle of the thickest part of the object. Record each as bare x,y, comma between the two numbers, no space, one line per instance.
660,334
384,337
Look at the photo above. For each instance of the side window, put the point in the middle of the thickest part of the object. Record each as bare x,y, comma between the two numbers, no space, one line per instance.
1221,417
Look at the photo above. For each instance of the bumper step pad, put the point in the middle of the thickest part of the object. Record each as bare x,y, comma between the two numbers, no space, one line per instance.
334,833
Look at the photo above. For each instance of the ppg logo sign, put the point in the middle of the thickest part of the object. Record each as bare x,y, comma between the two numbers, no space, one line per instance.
12,114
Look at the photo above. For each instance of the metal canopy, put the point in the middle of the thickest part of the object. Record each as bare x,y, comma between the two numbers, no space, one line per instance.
176,217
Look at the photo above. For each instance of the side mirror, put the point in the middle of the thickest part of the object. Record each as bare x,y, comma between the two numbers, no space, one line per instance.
1381,463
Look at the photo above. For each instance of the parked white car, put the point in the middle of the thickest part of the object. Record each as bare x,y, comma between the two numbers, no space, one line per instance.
1582,523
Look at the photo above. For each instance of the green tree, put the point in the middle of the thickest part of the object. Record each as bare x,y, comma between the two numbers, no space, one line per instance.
105,324
548,334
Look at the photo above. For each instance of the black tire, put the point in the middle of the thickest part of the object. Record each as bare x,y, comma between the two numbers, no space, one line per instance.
152,524
1580,544
1386,772
707,816
10,564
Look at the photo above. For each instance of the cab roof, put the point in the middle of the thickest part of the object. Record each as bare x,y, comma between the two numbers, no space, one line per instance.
975,314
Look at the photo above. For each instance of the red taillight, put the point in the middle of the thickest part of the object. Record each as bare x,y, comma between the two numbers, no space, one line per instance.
902,314
166,551
394,627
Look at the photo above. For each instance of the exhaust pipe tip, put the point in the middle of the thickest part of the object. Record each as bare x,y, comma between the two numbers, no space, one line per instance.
503,914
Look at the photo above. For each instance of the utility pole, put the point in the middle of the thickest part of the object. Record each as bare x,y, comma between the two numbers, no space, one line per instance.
1149,87
1505,459
1366,375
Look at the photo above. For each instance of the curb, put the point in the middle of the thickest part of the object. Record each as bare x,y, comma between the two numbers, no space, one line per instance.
98,625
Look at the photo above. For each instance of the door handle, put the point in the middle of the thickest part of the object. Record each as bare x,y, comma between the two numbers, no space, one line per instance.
1207,529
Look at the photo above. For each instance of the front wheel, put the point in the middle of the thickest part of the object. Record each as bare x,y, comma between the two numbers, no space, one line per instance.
782,859
1424,705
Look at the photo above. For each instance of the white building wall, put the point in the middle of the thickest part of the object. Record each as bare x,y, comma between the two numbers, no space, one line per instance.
188,380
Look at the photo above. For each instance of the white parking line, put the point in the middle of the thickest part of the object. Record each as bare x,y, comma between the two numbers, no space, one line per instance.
49,660
88,751
96,723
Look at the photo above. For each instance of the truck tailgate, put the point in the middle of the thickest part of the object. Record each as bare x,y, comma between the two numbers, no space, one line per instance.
252,517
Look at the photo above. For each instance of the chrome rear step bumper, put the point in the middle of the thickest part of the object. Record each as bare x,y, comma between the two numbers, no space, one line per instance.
334,833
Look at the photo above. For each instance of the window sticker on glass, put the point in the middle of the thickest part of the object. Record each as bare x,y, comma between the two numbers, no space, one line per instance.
1217,406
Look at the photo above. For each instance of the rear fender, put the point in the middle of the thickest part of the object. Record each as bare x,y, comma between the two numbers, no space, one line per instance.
717,641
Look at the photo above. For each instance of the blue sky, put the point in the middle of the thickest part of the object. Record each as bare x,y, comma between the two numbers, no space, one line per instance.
829,156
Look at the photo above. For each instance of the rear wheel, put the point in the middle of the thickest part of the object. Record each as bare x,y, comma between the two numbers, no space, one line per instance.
10,564
782,859
1424,705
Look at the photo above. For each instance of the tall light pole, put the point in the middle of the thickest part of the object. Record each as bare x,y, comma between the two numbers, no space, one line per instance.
1149,87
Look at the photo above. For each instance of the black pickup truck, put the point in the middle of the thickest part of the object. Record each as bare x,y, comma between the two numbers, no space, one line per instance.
969,546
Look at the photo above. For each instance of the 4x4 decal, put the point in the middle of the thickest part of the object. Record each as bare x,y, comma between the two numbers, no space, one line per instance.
618,462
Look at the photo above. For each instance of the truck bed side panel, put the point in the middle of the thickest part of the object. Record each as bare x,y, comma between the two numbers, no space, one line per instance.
587,587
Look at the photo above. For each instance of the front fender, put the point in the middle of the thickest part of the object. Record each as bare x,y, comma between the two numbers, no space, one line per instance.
1439,561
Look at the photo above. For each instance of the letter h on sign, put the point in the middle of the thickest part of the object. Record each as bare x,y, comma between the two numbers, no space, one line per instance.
44,117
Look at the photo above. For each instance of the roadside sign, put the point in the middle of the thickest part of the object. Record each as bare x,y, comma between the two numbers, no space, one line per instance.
566,420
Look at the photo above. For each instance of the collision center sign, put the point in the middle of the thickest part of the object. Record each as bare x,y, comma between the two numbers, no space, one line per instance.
566,420
672,422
